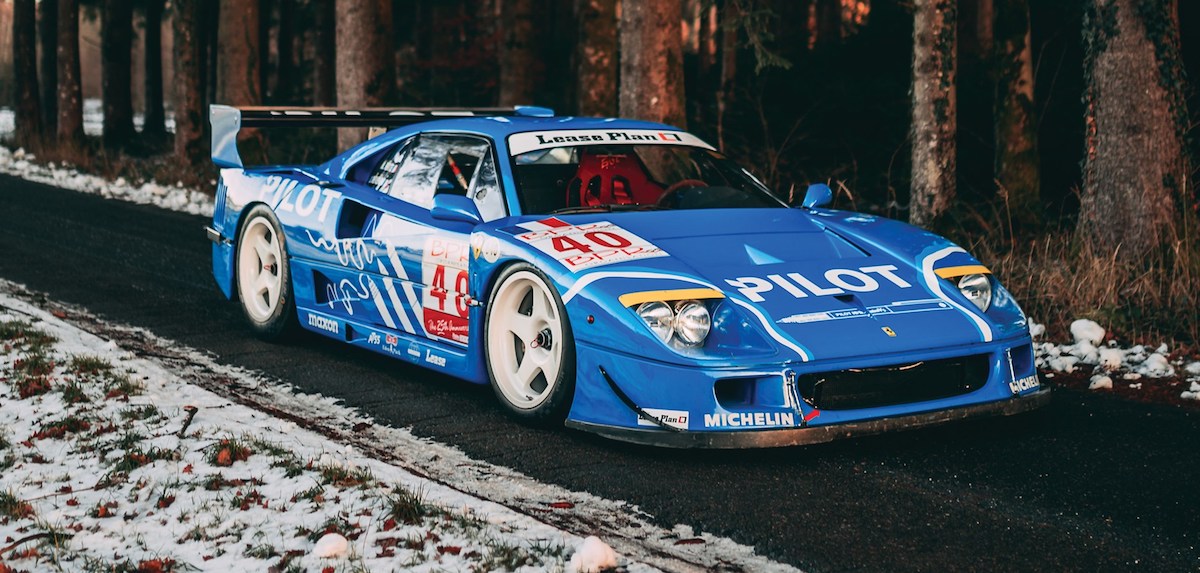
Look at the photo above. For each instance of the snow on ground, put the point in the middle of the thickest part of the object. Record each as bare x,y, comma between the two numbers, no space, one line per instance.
111,462
174,197
341,474
1107,361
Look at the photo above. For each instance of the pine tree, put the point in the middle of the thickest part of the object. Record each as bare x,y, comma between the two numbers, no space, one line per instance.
70,94
934,117
116,54
652,62
1135,166
597,57
28,115
189,33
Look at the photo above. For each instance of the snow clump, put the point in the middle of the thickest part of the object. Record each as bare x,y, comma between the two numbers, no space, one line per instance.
1100,382
330,546
1086,330
592,556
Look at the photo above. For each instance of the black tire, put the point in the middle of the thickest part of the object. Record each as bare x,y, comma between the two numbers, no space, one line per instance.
271,313
511,343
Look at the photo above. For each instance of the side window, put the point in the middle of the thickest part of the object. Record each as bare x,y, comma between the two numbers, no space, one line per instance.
453,164
385,173
485,190
419,172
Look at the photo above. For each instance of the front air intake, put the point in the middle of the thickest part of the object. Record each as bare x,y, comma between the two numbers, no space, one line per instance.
890,385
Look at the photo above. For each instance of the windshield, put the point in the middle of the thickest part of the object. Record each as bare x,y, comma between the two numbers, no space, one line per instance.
590,178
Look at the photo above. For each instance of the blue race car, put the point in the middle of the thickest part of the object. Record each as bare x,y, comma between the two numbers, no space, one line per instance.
618,275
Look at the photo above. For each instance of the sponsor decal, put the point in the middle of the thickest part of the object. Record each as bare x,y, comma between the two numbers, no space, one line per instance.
434,359
673,418
310,199
899,307
414,351
749,419
374,339
580,247
392,340
445,301
836,281
323,323
1023,384
525,142
888,331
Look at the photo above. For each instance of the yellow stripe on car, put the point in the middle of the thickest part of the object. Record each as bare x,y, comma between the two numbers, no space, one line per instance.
950,272
636,298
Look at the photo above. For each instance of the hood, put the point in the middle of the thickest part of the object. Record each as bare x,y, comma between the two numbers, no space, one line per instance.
821,291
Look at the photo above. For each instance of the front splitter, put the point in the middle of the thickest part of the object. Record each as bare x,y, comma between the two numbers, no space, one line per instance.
816,434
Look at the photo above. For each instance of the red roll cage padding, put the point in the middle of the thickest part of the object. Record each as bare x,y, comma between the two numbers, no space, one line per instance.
617,178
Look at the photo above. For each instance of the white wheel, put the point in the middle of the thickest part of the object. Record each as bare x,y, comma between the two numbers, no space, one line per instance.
530,350
263,281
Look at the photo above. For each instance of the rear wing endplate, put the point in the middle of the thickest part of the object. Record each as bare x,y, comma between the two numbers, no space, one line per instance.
228,120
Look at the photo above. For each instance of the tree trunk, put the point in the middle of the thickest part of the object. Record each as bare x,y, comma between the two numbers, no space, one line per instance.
597,57
264,49
48,74
155,125
652,62
324,64
1135,166
238,80
521,65
934,118
116,54
728,18
975,27
188,27
829,22
364,59
28,115
212,50
70,94
1018,169
285,69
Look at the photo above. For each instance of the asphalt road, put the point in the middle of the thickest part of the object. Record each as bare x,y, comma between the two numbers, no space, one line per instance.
1087,484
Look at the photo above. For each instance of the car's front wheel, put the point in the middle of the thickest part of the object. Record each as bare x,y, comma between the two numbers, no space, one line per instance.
529,346
264,283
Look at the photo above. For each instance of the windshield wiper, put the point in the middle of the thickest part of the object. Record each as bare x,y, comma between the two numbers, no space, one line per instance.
606,208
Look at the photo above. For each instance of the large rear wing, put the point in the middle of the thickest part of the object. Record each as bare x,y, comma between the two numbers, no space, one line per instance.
228,120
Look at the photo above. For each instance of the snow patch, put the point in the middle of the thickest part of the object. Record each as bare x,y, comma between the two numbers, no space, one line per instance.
592,556
172,197
331,546
1087,330
1192,393
1100,382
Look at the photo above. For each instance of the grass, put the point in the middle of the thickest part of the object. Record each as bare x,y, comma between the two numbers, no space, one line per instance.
1057,277
406,507
340,476
22,334
12,507
85,365
119,385
60,428
227,451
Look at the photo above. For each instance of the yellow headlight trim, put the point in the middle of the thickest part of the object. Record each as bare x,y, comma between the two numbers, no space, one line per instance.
951,272
636,298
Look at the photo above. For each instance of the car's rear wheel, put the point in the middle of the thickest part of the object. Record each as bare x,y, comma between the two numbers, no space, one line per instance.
264,282
529,346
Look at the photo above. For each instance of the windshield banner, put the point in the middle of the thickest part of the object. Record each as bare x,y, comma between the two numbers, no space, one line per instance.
519,143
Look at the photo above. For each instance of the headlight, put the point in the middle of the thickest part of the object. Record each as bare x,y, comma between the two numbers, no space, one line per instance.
659,317
692,322
978,289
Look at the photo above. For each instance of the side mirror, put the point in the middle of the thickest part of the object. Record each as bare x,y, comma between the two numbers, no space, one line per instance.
818,195
447,207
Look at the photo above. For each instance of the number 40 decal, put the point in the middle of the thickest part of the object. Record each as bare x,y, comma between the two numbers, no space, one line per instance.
604,239
439,290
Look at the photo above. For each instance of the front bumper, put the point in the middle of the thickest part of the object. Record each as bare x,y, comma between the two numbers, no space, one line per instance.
636,399
815,434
